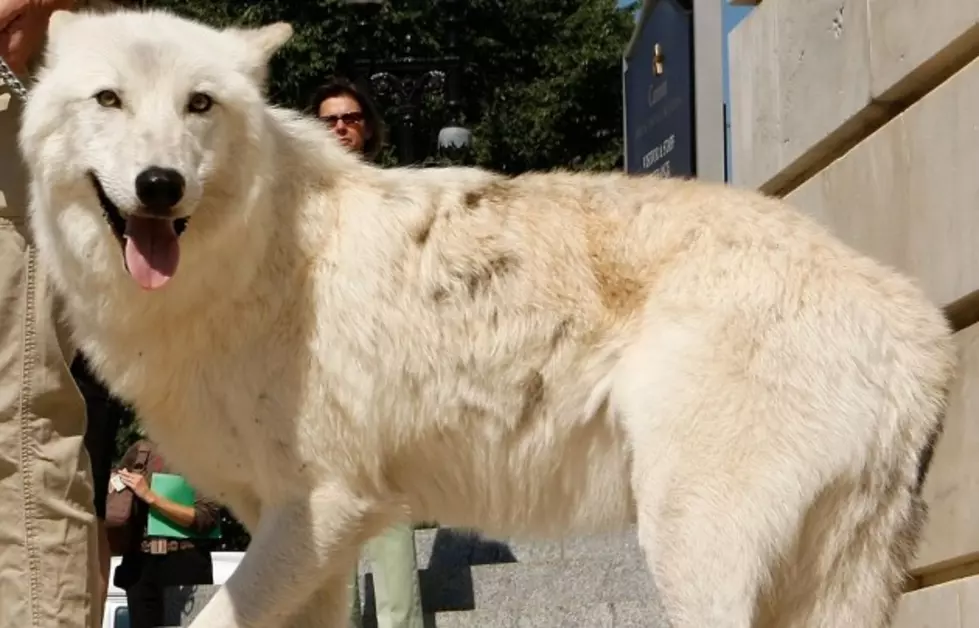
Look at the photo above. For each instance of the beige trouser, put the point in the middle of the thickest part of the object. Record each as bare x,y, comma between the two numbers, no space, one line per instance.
48,558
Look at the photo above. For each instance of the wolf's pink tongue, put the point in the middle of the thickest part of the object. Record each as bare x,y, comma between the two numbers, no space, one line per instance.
152,251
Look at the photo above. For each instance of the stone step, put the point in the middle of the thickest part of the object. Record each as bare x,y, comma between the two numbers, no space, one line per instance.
623,614
521,590
449,546
604,615
526,587
461,572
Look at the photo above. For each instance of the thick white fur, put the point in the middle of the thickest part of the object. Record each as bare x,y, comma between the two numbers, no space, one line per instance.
344,346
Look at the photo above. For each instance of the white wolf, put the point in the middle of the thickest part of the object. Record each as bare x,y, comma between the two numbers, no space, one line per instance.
329,347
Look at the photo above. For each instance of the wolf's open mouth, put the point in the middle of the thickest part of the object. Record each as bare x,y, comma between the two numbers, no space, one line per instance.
114,217
150,246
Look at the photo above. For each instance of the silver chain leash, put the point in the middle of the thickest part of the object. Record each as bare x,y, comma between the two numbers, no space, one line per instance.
8,78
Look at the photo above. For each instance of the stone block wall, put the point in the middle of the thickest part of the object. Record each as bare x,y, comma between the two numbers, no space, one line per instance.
865,114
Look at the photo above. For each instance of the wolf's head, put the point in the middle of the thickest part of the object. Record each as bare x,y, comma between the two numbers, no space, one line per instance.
137,122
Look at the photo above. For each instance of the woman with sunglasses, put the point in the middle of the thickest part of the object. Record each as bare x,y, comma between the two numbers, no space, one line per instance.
352,116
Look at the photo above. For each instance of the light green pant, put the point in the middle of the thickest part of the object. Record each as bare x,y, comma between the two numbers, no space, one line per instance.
396,590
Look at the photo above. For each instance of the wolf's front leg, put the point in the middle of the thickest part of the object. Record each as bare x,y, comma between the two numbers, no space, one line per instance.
301,547
328,607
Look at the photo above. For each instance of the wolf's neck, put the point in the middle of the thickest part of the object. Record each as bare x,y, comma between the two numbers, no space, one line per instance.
288,206
308,151
273,220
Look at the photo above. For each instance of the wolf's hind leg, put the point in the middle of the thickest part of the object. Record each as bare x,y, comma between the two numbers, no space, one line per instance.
711,540
852,556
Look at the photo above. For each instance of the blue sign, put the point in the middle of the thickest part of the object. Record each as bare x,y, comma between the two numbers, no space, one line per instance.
659,92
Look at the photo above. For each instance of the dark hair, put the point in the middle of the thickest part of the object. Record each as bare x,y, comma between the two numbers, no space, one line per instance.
339,86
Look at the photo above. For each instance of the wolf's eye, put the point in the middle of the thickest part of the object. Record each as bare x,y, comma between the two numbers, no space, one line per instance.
108,98
199,103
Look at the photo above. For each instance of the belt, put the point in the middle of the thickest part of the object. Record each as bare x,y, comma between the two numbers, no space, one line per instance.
164,546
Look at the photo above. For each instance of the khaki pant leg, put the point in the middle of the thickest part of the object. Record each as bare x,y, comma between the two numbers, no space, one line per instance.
47,523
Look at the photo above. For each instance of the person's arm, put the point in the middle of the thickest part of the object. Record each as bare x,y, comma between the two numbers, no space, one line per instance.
23,26
200,517
183,516
207,514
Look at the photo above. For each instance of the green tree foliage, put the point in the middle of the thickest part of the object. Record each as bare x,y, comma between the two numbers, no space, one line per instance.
541,89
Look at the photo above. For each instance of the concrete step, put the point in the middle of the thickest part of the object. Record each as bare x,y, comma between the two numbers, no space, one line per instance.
521,590
621,614
448,546
451,546
605,615
525,587
468,578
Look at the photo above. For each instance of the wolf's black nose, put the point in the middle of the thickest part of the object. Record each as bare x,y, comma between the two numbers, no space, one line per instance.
159,189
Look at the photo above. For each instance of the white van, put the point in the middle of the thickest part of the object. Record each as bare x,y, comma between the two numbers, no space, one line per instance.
116,613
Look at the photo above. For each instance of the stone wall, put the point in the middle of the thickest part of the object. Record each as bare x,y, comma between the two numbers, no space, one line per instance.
865,114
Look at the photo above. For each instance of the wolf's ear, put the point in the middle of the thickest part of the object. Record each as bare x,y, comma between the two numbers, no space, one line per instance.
58,20
265,41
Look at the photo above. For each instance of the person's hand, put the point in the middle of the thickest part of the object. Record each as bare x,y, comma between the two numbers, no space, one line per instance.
137,484
23,24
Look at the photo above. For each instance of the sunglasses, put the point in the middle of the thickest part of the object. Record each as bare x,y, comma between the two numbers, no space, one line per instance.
348,119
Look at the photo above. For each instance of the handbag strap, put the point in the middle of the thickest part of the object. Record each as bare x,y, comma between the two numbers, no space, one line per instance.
142,458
